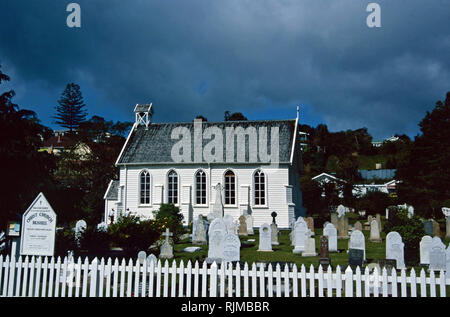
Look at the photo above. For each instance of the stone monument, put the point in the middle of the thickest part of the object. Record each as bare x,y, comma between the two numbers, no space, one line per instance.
218,204
166,248
395,249
374,232
265,238
242,226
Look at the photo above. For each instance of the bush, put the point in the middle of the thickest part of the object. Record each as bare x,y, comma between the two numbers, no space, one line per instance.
133,234
374,202
169,216
64,241
411,230
95,241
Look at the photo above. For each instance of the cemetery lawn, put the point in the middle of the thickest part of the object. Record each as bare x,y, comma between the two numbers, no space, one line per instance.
283,252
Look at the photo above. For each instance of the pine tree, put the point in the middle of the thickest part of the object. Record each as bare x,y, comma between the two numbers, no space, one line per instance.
70,112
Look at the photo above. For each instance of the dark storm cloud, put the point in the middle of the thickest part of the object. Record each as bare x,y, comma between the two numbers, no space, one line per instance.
204,57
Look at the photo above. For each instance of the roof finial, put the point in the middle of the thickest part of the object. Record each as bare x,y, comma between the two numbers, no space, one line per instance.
298,112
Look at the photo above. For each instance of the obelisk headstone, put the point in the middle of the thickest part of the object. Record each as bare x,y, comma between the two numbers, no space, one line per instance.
218,204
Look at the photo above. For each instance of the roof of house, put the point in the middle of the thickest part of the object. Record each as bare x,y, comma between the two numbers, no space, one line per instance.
154,145
112,192
326,175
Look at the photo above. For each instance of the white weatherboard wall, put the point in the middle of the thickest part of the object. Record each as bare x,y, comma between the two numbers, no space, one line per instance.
277,179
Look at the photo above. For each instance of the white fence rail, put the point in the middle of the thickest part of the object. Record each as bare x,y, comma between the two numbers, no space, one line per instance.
47,277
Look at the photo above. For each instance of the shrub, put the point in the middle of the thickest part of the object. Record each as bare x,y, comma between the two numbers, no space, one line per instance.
411,230
64,241
95,241
169,216
133,234
374,202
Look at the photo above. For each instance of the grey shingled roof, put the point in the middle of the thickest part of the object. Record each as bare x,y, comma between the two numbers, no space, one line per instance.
154,145
113,191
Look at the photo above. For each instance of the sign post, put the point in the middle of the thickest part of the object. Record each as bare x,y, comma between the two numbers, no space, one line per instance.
38,229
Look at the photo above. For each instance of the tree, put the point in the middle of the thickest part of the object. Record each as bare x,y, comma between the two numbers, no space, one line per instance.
425,172
201,117
70,112
25,170
236,116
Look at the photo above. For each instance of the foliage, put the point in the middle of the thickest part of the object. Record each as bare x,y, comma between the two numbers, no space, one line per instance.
411,230
236,116
425,172
133,234
25,170
201,117
64,241
94,240
374,202
70,112
169,216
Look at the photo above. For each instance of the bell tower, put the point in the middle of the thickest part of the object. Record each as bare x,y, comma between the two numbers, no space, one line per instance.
143,114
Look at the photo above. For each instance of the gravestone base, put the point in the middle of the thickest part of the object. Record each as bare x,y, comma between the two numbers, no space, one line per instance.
212,260
343,237
264,250
275,243
306,254
297,250
325,263
199,242
375,240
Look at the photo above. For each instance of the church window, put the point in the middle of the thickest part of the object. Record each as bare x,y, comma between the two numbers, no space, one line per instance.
200,187
230,188
145,188
172,186
259,190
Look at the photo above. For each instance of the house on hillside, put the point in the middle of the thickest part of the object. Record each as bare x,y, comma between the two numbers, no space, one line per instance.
256,164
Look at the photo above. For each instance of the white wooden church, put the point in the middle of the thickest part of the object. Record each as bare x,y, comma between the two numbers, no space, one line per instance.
256,163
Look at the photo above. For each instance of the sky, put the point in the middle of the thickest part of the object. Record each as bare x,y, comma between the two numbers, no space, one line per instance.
258,57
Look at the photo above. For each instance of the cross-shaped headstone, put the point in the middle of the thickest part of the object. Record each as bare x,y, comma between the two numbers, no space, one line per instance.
167,234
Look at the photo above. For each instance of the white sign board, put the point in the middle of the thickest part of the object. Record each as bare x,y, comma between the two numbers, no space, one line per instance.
38,228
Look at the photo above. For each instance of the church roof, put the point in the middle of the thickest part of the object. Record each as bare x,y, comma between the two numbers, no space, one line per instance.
112,192
154,145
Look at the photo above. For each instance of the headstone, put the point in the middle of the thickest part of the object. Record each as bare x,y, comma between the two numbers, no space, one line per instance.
152,258
387,213
38,228
447,262
228,219
425,247
334,219
199,235
191,249
273,215
389,264
446,212
310,224
342,227
331,232
341,210
242,226
355,257
216,232
249,220
292,233
102,227
210,217
428,227
218,204
395,249
142,255
166,248
300,231
436,228
265,238
410,211
324,259
310,247
231,248
437,255
274,233
325,223
80,228
378,217
357,241
374,231
358,226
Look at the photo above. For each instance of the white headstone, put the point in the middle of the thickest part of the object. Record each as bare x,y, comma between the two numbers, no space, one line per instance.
374,231
152,258
395,248
228,219
425,247
265,238
357,241
249,220
199,234
310,247
80,227
216,232
331,232
274,233
38,228
102,227
218,204
300,235
437,255
341,210
166,248
142,255
231,248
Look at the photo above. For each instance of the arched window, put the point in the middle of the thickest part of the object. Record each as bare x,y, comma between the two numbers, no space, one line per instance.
200,188
259,182
145,188
172,187
230,188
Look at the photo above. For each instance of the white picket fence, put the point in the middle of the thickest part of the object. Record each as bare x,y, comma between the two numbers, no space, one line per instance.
41,277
